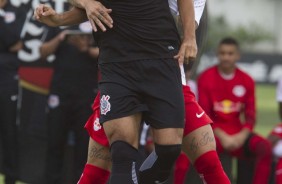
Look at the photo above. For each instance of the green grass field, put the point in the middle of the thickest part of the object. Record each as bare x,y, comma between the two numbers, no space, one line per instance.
267,108
267,111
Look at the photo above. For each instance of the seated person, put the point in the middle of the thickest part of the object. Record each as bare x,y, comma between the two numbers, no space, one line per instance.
226,93
275,137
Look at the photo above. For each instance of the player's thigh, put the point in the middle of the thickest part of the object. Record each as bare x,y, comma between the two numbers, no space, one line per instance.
124,129
99,155
163,94
168,136
199,142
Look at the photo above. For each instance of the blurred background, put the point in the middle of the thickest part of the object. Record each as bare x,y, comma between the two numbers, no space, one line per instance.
256,24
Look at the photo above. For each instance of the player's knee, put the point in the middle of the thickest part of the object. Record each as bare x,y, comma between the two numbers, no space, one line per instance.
122,152
170,152
158,165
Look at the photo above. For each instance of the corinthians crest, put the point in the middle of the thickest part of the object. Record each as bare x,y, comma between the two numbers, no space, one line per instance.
105,105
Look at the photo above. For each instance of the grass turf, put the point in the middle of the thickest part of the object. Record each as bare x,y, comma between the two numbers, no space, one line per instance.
267,109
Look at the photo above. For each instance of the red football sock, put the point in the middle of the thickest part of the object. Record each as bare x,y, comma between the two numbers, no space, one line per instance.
262,149
94,175
180,170
209,167
278,172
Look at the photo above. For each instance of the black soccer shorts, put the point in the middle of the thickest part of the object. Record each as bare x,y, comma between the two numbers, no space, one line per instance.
152,87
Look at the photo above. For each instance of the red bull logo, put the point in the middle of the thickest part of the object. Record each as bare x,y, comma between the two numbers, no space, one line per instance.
227,106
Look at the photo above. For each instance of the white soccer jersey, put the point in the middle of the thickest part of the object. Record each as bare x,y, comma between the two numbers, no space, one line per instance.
279,91
199,6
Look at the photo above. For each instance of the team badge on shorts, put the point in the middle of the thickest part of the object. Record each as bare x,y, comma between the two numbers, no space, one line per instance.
97,126
105,105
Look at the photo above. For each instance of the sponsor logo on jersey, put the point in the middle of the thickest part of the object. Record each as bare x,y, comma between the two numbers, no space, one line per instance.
97,126
227,106
105,105
239,90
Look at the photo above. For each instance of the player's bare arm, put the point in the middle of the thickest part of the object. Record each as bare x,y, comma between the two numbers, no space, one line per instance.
93,52
51,46
97,13
78,4
48,16
188,49
2,3
16,47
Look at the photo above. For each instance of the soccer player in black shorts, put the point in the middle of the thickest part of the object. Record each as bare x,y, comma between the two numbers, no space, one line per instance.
139,59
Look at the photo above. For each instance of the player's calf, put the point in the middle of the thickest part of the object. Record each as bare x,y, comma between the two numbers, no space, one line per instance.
123,136
124,157
97,169
200,147
261,149
278,172
157,167
181,168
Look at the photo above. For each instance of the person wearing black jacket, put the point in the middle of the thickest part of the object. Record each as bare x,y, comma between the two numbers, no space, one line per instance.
11,22
73,88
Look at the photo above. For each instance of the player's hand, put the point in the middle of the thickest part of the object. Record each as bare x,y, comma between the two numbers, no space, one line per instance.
2,3
16,47
46,15
188,51
229,143
241,137
98,15
81,42
239,141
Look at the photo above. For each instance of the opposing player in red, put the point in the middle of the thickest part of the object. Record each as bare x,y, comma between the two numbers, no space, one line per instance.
275,137
226,93
198,141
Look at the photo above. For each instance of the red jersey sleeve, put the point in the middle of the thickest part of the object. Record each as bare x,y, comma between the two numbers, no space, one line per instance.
250,107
